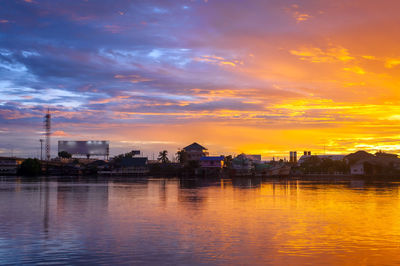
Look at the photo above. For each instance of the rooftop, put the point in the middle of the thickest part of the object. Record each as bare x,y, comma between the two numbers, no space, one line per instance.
194,146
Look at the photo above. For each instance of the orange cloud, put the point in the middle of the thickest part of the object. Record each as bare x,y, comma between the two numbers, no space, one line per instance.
59,133
317,55
355,69
392,62
109,100
217,60
301,17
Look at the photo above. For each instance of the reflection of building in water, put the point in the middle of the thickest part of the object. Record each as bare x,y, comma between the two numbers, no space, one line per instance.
280,188
81,199
162,193
253,182
190,193
27,203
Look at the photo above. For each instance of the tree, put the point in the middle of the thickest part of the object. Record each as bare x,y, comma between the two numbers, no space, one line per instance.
181,156
317,165
30,167
163,156
118,159
228,161
124,155
64,154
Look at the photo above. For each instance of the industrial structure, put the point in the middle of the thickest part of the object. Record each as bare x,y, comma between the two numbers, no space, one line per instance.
41,149
86,148
293,157
47,128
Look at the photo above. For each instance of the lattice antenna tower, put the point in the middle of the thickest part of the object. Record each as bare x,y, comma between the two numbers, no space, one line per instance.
47,128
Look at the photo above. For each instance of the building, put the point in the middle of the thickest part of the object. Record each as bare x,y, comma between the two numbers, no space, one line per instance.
333,157
9,166
241,165
212,162
254,157
364,163
293,157
195,151
133,166
357,168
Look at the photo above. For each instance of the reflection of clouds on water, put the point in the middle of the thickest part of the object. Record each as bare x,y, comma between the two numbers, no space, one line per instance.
198,221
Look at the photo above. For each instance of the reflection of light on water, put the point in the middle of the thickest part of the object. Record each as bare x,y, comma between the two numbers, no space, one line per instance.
198,221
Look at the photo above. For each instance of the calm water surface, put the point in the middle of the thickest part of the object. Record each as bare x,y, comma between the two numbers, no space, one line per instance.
172,221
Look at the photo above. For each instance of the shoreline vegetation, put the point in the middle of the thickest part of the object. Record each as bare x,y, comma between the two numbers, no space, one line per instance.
194,162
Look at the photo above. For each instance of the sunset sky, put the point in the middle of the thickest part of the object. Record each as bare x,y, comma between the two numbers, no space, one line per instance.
262,77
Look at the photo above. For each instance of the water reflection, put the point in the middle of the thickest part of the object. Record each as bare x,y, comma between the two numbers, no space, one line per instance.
196,221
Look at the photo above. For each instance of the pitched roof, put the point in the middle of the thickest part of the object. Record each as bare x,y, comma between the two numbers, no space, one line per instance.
359,155
194,146
380,159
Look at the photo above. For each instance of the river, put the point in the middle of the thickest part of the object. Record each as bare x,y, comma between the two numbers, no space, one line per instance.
217,222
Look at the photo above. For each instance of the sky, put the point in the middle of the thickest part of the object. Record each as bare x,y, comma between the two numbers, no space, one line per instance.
259,77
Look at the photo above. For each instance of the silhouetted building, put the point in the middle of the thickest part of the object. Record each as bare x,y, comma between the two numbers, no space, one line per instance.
129,166
254,157
212,162
195,151
364,163
9,166
293,157
333,157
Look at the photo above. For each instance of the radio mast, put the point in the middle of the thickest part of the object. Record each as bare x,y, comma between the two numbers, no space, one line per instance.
47,128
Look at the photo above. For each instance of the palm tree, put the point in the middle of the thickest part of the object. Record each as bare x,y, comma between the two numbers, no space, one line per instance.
163,156
181,156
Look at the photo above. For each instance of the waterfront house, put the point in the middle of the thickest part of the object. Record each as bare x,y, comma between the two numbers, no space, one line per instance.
333,157
357,168
134,165
9,166
212,162
195,151
129,166
254,157
241,165
364,163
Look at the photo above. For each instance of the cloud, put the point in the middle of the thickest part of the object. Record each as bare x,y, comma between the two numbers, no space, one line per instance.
217,60
301,17
392,62
59,133
228,74
297,14
318,55
132,78
355,69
